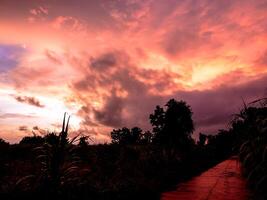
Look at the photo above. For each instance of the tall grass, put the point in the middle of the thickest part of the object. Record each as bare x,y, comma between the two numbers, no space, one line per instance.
252,123
58,161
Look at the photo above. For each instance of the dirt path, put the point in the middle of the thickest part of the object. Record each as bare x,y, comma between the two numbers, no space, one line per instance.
222,182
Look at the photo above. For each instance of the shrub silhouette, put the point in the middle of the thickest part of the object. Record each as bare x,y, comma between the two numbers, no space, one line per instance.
32,140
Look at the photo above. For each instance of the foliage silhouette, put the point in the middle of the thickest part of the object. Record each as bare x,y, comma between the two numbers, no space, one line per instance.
135,164
3,144
126,136
58,161
83,141
34,140
250,127
173,127
202,139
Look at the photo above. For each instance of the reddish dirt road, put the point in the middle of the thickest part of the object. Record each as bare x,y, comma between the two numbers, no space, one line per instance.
222,182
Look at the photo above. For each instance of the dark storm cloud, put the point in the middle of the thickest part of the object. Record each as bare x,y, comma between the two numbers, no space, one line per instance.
212,108
123,79
111,114
29,100
216,107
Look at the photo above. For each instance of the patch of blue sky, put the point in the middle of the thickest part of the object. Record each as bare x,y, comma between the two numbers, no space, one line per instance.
10,56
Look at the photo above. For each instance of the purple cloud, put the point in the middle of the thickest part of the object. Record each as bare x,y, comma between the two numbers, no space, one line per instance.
212,108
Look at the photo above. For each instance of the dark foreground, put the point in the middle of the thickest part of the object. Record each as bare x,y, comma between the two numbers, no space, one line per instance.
141,165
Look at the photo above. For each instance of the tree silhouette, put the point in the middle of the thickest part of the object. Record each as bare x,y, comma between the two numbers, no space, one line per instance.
173,127
126,136
158,121
136,134
3,144
146,137
119,136
202,139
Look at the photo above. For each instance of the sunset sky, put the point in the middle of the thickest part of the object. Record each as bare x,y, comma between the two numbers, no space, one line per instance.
108,63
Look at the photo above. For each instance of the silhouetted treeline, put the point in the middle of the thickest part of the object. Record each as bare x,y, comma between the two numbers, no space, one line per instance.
134,165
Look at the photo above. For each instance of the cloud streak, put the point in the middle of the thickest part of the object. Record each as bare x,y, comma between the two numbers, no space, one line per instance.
29,100
15,115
